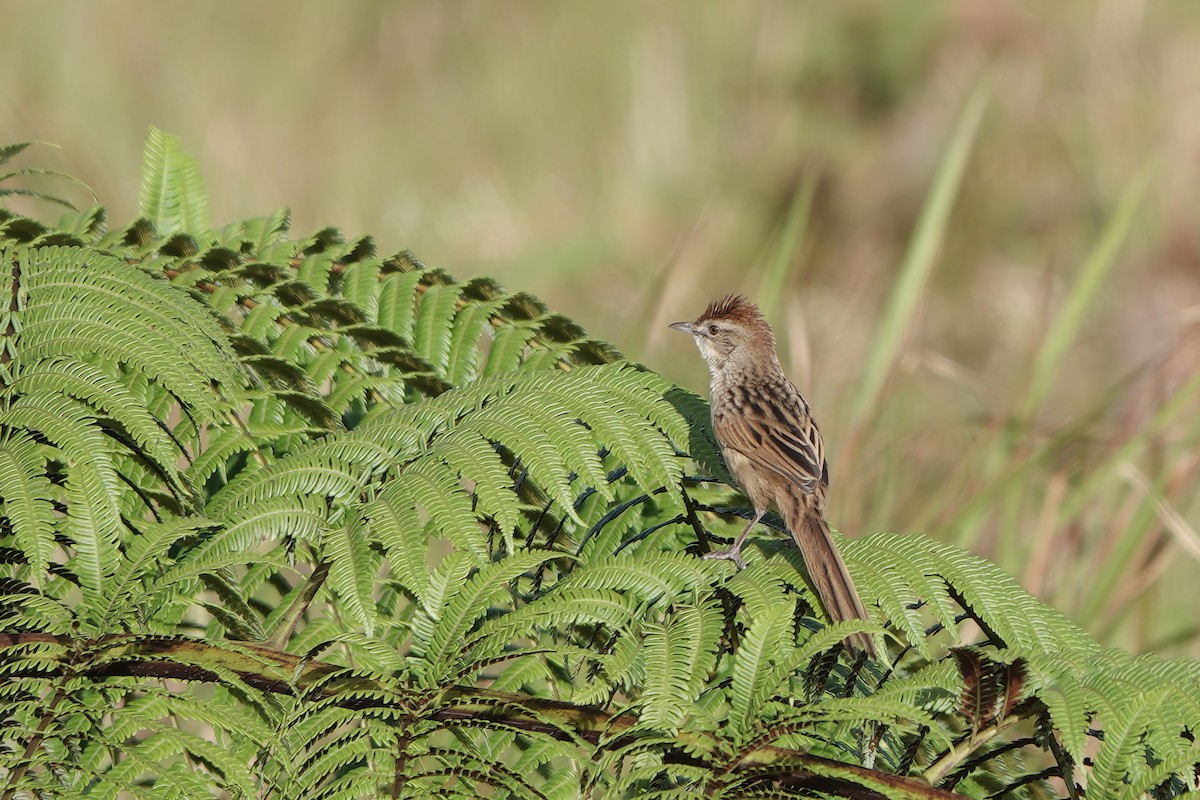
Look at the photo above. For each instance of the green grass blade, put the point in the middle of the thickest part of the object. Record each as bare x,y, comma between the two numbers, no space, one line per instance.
787,245
1084,293
921,255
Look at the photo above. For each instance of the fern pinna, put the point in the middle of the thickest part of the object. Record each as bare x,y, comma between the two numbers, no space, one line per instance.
285,518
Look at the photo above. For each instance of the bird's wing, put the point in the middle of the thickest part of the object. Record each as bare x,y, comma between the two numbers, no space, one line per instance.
778,435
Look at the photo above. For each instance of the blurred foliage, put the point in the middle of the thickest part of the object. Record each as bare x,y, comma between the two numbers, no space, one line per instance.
632,160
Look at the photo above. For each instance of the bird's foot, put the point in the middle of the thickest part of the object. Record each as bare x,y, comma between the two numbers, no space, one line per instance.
726,555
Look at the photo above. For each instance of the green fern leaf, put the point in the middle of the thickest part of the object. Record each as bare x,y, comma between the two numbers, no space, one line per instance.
293,517
432,329
314,271
545,437
463,609
768,640
520,674
1012,613
760,586
1117,760
89,224
652,579
560,608
475,458
1179,767
463,353
1069,705
353,571
9,150
679,655
336,467
397,302
425,489
360,285
258,233
112,399
93,525
223,445
607,397
125,594
802,722
85,302
443,582
509,344
27,505
173,195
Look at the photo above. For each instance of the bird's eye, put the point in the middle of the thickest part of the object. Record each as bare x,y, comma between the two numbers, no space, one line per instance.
712,330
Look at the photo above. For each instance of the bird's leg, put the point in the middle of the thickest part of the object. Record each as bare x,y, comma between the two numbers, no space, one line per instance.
734,553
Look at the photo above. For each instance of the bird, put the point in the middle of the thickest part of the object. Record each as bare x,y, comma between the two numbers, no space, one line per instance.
772,447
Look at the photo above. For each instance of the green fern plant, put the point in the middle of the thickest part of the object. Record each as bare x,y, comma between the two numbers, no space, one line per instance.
284,518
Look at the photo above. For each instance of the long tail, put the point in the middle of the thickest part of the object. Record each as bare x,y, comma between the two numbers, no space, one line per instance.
826,567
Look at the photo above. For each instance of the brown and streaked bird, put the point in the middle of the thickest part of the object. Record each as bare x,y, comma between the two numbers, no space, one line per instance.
772,446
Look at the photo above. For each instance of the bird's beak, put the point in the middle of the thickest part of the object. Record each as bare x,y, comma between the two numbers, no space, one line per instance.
686,327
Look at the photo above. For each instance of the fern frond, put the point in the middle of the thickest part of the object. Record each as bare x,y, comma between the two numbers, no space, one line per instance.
287,518
767,640
463,354
173,195
465,608
930,570
353,570
27,502
680,654
428,490
396,309
651,578
476,458
432,325
81,301
93,525
761,587
1116,762
110,398
260,232
509,345
334,467
131,590
562,608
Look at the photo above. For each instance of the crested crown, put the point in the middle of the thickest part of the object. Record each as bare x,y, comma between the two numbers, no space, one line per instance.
731,306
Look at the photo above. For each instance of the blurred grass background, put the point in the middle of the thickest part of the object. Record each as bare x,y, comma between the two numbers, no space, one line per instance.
974,224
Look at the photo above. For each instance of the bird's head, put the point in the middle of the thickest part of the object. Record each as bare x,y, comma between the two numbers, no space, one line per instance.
731,328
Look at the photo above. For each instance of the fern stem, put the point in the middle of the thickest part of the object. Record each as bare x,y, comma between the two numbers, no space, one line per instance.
959,753
241,425
401,779
694,520
35,741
